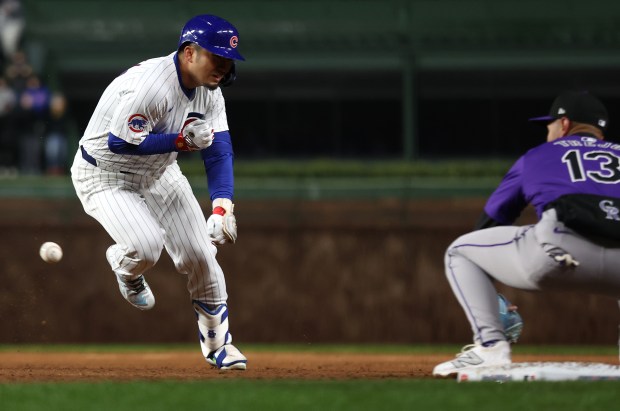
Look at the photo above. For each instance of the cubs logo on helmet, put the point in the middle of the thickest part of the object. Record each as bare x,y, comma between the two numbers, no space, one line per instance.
212,33
137,123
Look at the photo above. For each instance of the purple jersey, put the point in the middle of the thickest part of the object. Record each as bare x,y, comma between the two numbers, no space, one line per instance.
575,164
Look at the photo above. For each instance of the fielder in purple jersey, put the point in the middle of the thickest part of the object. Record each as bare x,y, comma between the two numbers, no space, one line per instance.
126,175
573,182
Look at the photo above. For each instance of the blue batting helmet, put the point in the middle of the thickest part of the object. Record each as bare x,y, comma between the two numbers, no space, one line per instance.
213,34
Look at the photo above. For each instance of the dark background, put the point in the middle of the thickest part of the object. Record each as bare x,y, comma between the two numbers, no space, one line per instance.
481,116
391,79
406,80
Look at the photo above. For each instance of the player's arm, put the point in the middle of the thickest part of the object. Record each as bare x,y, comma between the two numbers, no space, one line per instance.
507,202
195,135
218,161
152,144
132,125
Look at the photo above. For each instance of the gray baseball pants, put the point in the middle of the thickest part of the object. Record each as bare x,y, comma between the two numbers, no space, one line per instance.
518,257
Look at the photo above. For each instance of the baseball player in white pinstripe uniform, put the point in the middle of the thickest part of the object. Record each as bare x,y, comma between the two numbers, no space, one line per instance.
126,174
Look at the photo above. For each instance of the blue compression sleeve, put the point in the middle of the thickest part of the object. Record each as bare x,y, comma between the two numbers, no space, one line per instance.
152,144
218,160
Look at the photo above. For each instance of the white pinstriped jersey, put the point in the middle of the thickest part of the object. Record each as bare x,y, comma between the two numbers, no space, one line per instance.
147,98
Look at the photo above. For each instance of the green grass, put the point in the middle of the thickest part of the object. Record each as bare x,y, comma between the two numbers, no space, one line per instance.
238,393
337,167
320,348
274,188
360,395
314,179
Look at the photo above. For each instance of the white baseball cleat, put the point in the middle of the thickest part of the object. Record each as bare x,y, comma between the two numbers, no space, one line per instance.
227,357
136,291
475,356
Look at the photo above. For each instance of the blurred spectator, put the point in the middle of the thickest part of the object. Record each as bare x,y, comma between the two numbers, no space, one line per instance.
32,112
18,71
56,136
7,98
34,126
35,97
8,147
11,26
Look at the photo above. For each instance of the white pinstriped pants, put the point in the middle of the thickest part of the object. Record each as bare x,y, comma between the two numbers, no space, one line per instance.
145,214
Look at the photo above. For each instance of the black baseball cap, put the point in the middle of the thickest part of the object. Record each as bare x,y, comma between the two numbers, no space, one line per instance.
579,106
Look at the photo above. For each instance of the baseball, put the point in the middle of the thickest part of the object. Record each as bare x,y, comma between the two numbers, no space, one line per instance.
50,252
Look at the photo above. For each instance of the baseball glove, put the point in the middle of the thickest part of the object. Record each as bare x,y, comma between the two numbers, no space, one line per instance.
511,320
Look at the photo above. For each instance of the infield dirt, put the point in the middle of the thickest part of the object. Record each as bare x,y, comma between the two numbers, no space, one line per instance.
21,367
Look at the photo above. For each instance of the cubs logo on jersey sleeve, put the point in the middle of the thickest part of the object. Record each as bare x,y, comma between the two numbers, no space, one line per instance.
138,123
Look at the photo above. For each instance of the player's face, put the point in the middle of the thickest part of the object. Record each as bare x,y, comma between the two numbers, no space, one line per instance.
209,69
556,129
552,130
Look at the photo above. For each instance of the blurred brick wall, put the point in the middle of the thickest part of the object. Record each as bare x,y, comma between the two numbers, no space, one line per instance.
301,271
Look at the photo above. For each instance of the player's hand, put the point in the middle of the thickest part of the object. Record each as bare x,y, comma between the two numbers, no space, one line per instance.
222,224
196,135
